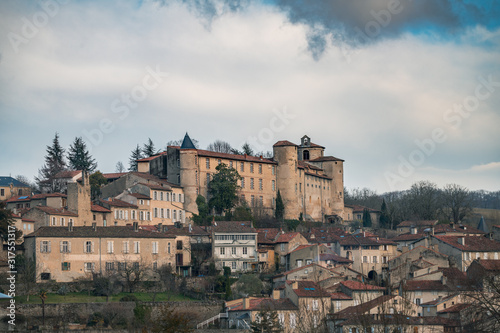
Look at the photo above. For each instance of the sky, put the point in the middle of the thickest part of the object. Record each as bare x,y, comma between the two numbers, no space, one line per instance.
401,90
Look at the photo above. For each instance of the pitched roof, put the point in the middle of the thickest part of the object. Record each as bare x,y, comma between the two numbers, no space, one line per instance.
472,243
308,289
418,223
360,240
113,175
283,143
408,237
23,198
55,211
184,231
326,158
248,158
334,257
359,208
417,285
140,196
161,187
118,203
287,237
355,285
491,265
7,180
340,296
455,308
89,232
363,307
267,235
301,247
265,303
100,209
232,227
150,158
68,173
187,143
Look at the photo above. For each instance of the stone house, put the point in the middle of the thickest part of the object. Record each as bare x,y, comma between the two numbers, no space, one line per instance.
11,187
64,254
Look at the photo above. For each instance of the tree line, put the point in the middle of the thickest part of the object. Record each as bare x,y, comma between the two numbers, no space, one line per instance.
424,200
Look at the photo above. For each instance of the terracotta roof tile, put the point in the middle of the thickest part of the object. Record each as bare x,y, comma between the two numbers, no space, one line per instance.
89,232
489,264
455,308
416,285
355,285
266,303
472,243
340,296
326,158
283,143
334,257
363,307
118,203
247,158
55,211
287,237
418,223
309,289
100,209
267,235
140,196
232,227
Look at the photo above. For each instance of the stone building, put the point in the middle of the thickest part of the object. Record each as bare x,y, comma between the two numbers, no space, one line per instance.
10,187
310,183
63,254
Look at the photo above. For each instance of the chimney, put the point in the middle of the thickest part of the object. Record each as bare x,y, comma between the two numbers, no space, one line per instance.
413,230
246,303
461,240
70,226
136,226
295,285
94,226
276,294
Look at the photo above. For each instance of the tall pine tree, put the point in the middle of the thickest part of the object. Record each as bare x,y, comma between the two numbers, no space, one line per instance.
385,219
367,219
79,157
136,155
149,148
54,163
280,207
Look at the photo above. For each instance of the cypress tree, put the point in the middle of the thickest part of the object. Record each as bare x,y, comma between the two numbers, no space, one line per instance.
367,219
280,207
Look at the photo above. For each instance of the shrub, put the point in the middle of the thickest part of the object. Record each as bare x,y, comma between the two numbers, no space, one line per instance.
129,298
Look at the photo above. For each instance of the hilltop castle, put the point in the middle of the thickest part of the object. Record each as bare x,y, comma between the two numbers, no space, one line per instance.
311,184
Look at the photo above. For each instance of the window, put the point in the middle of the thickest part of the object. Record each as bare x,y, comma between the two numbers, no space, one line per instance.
141,215
242,182
45,276
155,212
293,321
273,185
65,247
245,265
110,266
485,255
173,197
133,215
168,213
375,260
222,250
315,305
281,319
2,192
260,168
53,221
251,167
62,221
261,200
89,267
208,178
245,250
175,214
155,266
162,213
242,166
89,247
233,265
168,248
155,195
111,247
122,266
230,164
168,196
136,265
282,247
148,216
125,248
252,200
260,184
219,161
251,183
207,161
137,247
273,169
384,260
417,301
299,262
65,266
161,196
233,250
338,305
365,259
179,245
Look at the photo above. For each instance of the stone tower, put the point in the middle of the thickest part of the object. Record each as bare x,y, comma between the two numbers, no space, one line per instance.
309,151
285,153
188,167
79,199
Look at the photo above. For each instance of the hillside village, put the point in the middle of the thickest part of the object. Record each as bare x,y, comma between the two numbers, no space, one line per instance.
323,274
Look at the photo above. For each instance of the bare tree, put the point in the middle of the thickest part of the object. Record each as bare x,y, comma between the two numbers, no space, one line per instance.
457,202
132,272
119,167
220,146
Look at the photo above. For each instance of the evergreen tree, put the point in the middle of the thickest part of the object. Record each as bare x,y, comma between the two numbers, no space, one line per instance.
97,180
149,149
267,321
367,219
222,189
136,155
280,207
54,163
6,220
385,219
79,157
247,149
